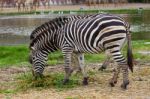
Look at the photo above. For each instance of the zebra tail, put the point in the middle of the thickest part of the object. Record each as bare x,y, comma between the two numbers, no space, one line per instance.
129,51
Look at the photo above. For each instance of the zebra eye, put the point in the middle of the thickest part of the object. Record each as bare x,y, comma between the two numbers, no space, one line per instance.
33,58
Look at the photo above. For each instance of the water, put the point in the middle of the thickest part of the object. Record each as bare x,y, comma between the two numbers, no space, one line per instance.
16,29
21,25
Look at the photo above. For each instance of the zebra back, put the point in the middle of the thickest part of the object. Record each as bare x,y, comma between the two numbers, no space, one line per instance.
46,29
56,23
53,24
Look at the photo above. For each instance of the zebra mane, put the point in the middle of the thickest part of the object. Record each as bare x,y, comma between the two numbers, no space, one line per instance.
44,28
47,25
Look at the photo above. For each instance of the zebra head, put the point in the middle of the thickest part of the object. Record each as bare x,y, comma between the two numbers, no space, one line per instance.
37,58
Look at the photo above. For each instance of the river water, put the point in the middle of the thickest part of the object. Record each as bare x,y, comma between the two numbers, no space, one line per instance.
15,30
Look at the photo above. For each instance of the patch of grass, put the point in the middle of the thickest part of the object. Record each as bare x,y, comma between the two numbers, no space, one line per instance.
141,45
114,11
142,34
71,98
18,55
55,58
7,88
92,58
26,81
13,55
144,72
8,91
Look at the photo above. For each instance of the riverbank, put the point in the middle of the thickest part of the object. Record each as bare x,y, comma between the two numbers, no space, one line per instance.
101,7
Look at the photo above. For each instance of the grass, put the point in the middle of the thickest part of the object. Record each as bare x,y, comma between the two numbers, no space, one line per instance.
141,46
18,55
143,34
13,55
25,81
118,11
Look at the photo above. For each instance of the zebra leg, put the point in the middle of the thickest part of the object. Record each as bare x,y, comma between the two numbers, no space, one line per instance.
125,76
82,66
105,64
122,63
75,63
113,81
68,71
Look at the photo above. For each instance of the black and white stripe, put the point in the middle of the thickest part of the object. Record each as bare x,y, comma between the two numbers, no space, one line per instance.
94,35
103,32
54,24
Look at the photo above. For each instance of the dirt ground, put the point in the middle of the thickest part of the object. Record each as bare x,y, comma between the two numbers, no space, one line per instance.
98,87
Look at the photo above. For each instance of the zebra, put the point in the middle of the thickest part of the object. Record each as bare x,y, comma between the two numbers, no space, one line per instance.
54,24
51,25
105,32
102,33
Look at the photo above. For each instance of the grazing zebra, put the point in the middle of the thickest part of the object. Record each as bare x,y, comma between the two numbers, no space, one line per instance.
55,24
104,32
52,26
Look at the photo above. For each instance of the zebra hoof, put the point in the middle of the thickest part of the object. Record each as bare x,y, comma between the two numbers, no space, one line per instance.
112,82
124,85
85,81
65,81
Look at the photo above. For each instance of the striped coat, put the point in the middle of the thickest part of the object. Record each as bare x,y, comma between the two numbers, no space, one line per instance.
103,32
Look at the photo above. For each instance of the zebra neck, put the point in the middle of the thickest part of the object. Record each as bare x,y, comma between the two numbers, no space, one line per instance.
58,39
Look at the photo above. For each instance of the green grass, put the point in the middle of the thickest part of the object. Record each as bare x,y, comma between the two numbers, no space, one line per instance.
13,55
26,81
54,80
141,46
118,11
142,34
18,55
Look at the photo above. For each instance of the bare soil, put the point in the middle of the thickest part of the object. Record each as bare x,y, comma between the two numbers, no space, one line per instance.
98,88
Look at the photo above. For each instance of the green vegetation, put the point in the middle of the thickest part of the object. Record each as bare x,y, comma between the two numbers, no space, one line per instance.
13,55
138,35
18,55
81,11
121,11
26,81
142,46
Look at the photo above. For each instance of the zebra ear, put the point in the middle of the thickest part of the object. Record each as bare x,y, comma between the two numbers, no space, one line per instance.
32,48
